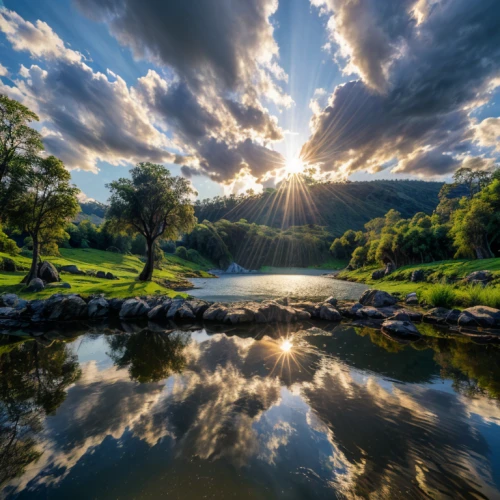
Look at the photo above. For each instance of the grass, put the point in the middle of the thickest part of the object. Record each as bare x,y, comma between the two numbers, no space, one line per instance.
125,267
442,285
331,264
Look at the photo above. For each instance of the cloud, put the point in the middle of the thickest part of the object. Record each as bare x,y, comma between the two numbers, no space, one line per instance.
3,70
413,101
487,133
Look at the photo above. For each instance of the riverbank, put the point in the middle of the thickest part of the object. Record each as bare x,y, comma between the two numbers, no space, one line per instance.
84,279
437,283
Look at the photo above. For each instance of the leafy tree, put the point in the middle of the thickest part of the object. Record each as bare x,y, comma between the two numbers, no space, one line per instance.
19,143
45,205
151,203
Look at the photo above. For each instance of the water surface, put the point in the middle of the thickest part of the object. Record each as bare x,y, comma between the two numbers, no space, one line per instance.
257,412
295,283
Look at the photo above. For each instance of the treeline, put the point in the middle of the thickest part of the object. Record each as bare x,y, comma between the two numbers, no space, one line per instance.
253,246
460,227
337,206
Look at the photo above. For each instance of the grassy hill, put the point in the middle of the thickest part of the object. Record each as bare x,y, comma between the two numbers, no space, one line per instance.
126,267
338,206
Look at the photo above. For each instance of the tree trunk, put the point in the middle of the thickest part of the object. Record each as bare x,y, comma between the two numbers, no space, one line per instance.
34,263
147,272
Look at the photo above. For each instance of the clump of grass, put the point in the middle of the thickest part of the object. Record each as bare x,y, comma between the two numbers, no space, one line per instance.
441,295
477,295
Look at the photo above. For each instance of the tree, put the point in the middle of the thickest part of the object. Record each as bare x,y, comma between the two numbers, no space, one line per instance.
151,203
19,143
44,206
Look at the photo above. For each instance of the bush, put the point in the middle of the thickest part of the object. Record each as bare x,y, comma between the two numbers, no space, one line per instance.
7,245
194,256
477,295
181,252
441,295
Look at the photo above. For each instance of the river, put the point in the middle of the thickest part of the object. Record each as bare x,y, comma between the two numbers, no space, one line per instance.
312,410
290,282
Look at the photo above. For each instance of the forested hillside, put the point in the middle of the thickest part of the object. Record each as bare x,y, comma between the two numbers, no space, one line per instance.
338,206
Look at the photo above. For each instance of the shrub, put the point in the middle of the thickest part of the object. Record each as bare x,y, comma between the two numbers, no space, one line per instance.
441,295
7,245
181,252
476,295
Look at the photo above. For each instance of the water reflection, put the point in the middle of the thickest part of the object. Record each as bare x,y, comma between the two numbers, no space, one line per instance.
294,415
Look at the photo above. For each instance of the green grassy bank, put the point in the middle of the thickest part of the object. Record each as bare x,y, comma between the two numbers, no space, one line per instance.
442,285
125,267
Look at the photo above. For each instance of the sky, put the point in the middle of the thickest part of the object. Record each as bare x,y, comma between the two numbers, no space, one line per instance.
239,95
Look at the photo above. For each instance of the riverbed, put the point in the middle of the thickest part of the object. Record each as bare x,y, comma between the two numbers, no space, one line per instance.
292,282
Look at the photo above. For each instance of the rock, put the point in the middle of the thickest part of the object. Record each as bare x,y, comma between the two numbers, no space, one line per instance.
10,299
159,312
302,315
417,276
198,307
65,308
36,309
331,300
406,315
236,269
349,309
35,285
98,308
58,285
235,316
389,268
370,312
329,313
111,276
379,274
282,301
134,308
253,309
174,307
479,277
115,305
480,316
411,299
9,265
404,329
441,315
9,313
100,274
276,313
216,312
377,298
47,272
71,269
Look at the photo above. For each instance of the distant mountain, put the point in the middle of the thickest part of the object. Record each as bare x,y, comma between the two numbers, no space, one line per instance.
93,211
338,206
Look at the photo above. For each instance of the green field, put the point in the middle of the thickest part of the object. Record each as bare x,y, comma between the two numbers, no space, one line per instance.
125,267
436,273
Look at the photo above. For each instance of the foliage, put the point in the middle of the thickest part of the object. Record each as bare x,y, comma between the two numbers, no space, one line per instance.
7,245
441,295
44,206
153,204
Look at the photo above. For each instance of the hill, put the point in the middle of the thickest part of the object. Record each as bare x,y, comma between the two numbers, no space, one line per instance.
338,206
93,211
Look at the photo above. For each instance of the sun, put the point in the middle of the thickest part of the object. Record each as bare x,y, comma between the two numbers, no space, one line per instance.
294,166
286,346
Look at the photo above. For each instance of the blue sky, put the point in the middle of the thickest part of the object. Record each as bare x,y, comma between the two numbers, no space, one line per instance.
226,98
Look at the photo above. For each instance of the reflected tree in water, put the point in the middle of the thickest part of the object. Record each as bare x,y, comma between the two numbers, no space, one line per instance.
150,356
33,384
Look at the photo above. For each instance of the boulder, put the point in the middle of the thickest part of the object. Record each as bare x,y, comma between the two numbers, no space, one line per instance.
35,285
159,312
349,309
98,308
10,299
9,313
134,308
65,308
406,315
276,313
36,309
417,276
174,308
111,276
58,285
370,312
236,269
185,312
235,316
198,307
115,305
302,315
253,309
377,298
100,274
9,265
411,299
331,301
216,312
329,313
479,277
47,272
378,274
405,329
389,268
71,269
441,315
480,316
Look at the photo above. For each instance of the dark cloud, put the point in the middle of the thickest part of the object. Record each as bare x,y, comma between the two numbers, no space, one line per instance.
413,102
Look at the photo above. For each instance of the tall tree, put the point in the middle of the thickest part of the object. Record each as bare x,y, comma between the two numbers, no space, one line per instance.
19,143
151,203
45,205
